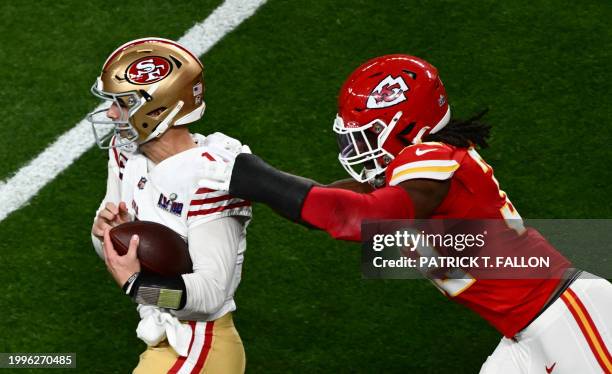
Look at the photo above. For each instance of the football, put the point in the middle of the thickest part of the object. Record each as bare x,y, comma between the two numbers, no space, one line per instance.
161,250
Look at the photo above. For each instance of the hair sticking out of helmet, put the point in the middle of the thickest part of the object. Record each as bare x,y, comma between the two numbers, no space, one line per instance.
158,81
464,133
387,103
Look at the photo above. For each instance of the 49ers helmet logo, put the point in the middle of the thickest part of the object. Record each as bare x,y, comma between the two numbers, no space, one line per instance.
148,70
388,92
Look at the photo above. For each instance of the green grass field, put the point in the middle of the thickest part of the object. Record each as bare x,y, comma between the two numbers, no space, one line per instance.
542,67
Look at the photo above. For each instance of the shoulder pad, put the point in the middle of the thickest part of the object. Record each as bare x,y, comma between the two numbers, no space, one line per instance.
221,141
430,160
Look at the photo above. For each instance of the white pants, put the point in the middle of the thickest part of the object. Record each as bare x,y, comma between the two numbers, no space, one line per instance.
573,336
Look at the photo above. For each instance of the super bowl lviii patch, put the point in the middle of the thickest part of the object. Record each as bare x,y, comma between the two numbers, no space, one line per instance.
169,204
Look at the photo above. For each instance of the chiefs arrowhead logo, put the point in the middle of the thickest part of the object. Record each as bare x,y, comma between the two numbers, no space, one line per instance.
388,92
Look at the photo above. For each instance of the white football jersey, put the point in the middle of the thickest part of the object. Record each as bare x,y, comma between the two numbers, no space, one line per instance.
168,193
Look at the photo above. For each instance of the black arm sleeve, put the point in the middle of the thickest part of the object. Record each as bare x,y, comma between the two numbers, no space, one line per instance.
255,180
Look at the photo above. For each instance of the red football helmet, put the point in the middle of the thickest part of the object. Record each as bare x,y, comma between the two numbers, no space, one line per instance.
386,104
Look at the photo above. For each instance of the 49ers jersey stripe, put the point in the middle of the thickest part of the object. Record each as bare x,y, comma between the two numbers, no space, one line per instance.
204,190
218,209
210,200
208,156
589,330
119,157
208,193
116,155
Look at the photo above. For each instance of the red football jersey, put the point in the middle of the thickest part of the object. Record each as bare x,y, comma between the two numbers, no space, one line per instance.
508,304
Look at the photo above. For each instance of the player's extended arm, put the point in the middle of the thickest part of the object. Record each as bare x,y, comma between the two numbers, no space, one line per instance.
352,185
337,211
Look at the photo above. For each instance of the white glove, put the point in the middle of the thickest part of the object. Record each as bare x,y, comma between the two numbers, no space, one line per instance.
156,325
217,175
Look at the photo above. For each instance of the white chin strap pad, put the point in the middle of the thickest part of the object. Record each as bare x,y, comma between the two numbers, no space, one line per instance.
443,122
191,117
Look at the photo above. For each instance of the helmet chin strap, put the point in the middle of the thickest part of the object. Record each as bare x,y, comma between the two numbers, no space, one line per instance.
370,173
378,181
191,117
443,122
165,124
382,138
418,137
375,177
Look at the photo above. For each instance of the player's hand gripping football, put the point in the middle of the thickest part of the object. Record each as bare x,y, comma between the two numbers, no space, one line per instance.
217,174
110,217
121,267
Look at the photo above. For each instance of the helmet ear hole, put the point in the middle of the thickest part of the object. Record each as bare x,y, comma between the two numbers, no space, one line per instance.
402,136
411,74
157,112
145,125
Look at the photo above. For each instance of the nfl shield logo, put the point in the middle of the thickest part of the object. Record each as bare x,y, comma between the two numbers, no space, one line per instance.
141,183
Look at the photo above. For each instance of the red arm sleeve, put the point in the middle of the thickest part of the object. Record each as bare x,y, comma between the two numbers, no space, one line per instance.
340,212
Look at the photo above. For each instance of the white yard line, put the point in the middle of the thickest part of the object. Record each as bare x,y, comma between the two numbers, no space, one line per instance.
27,181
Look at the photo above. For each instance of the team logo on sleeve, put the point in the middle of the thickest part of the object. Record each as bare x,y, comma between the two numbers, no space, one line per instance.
148,70
169,204
388,92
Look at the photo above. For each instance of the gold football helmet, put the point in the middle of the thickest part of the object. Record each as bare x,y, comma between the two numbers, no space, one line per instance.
156,82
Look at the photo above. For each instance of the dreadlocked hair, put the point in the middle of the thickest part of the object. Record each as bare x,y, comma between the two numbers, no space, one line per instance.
464,133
